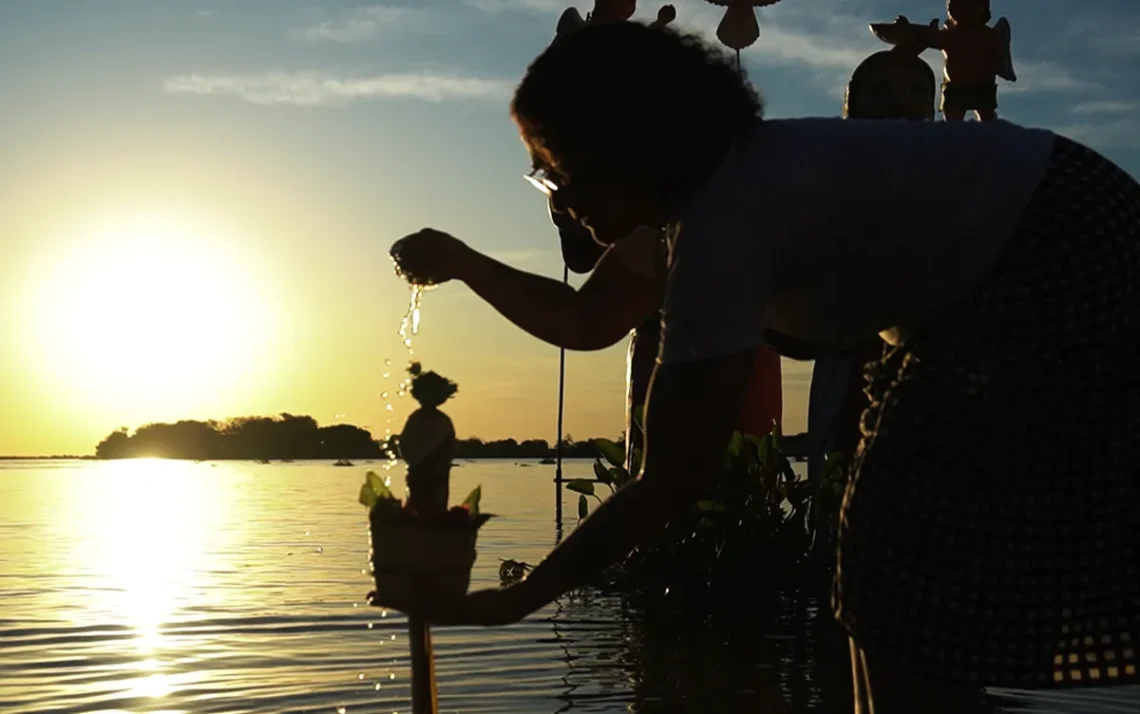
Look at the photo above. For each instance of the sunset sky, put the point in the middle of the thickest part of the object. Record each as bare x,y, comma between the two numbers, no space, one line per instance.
197,198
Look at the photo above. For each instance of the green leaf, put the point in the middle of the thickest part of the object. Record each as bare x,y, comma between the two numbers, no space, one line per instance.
602,473
583,507
610,451
374,489
376,482
620,476
471,503
580,485
764,453
638,415
367,497
777,437
710,506
736,444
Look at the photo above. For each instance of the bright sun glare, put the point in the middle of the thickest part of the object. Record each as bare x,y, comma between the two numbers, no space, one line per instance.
150,312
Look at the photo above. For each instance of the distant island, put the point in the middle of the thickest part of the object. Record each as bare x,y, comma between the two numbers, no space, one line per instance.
289,437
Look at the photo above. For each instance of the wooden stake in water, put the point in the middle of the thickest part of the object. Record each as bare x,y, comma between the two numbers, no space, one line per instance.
425,693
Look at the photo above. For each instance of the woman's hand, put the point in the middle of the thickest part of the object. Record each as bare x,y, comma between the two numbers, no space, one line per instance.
430,257
494,606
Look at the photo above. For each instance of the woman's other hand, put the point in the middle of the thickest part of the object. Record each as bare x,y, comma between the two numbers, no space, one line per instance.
430,257
495,606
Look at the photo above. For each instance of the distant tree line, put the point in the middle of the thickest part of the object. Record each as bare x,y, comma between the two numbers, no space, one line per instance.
295,437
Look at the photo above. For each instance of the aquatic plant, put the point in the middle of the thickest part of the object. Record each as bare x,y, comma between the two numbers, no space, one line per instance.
756,519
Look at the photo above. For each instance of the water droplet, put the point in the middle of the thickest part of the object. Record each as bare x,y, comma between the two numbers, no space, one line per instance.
387,363
354,604
341,710
383,395
370,625
393,674
360,676
386,375
383,613
306,533
377,686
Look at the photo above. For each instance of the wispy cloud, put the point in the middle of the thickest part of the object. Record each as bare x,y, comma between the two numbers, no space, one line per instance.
1120,44
1115,36
1122,133
364,23
1107,107
1046,77
312,88
827,43
497,6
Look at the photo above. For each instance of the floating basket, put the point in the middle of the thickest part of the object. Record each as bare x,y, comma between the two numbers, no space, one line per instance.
410,561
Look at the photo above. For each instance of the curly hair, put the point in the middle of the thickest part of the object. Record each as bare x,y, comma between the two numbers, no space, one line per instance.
662,100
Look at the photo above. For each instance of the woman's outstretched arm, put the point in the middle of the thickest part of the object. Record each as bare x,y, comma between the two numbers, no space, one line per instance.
614,300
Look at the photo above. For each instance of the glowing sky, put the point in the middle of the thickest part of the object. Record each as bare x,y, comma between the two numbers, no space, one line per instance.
197,198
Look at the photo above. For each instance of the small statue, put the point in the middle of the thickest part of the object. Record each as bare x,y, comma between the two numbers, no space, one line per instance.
606,11
975,55
427,443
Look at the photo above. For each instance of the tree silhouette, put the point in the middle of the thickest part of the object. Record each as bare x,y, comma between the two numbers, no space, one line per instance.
296,437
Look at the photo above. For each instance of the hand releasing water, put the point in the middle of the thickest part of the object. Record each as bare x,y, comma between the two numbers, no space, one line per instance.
430,257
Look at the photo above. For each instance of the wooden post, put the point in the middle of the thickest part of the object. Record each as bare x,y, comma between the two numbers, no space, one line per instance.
561,404
425,697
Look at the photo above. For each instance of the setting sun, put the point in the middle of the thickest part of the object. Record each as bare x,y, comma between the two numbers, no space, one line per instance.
148,311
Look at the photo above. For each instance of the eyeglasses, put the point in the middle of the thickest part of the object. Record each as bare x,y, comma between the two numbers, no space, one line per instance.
540,179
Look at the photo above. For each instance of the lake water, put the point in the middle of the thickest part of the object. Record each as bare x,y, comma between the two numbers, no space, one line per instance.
169,587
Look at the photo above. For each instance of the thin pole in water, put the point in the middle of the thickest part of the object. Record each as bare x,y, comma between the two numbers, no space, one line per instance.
561,403
424,691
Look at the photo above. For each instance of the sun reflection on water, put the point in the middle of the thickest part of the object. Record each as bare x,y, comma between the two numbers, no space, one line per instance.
144,531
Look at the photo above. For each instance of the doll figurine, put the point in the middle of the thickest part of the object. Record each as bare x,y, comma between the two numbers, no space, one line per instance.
975,55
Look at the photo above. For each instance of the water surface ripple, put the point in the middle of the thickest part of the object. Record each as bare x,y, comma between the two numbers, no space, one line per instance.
174,587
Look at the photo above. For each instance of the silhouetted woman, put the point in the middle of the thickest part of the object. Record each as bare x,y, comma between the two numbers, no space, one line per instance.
989,534
892,84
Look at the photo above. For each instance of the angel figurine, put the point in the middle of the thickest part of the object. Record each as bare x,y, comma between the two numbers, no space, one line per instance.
738,29
975,55
609,11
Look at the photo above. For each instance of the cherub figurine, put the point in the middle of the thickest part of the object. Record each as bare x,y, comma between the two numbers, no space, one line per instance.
610,11
975,55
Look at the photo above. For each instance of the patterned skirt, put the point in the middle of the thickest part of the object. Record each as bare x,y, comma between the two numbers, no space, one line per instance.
991,531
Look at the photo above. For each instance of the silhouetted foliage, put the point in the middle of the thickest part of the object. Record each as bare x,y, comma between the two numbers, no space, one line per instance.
251,438
293,437
529,449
